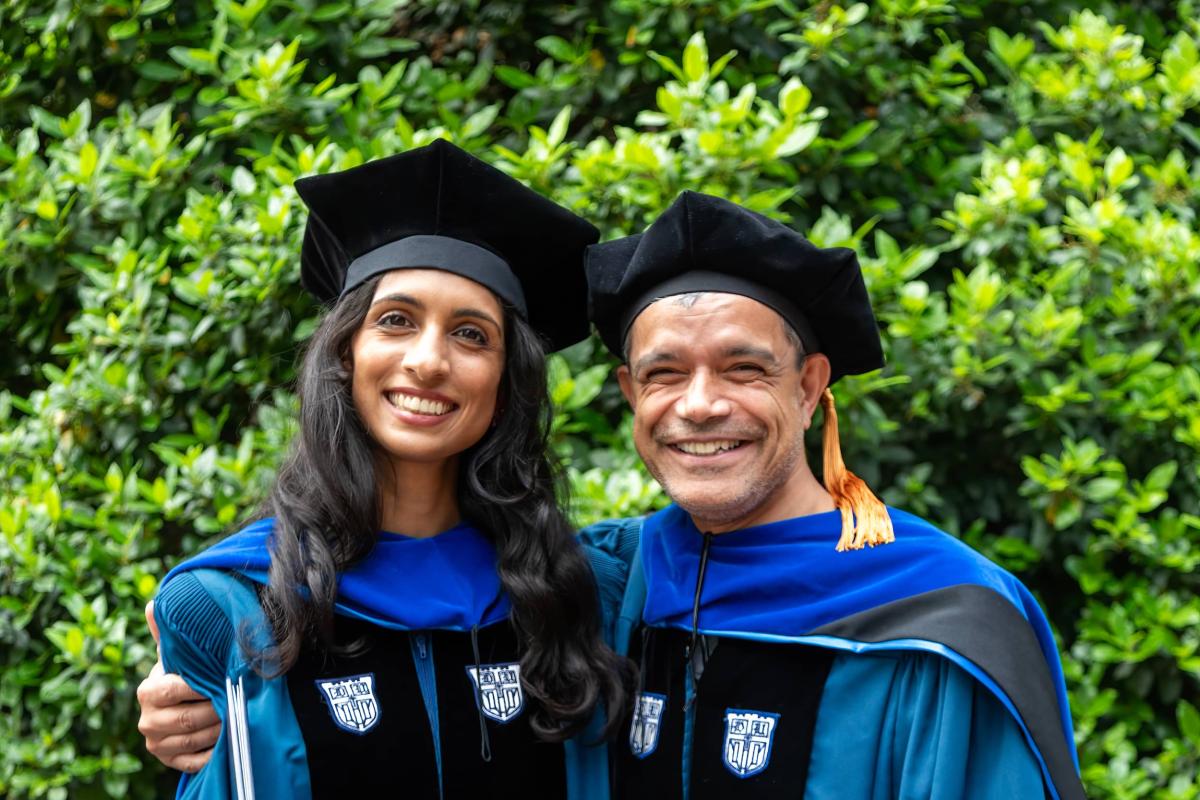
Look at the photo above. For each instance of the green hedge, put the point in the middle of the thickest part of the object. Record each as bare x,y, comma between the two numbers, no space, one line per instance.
1020,178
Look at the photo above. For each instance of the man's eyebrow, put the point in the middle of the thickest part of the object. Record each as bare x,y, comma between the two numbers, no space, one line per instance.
654,358
477,314
748,351
398,298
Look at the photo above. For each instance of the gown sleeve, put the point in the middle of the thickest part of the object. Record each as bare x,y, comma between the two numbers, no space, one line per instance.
209,620
913,726
195,641
610,547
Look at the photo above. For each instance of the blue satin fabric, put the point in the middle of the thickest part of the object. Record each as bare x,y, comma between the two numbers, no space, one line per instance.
442,582
913,726
786,578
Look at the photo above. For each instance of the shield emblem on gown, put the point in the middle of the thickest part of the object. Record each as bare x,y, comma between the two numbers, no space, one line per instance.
352,701
748,739
498,690
647,722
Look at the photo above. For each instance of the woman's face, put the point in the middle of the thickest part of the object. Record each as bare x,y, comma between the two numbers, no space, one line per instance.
427,364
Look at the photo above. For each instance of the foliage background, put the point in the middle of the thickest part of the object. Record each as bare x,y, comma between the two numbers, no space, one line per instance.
1021,179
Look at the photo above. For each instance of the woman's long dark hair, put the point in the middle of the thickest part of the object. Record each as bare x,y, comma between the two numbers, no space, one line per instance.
327,514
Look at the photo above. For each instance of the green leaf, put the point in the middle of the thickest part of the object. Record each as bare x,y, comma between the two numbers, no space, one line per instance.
150,7
515,78
199,61
1100,489
330,12
73,642
113,479
52,500
243,181
719,65
1189,721
159,492
558,128
667,64
861,159
47,209
695,58
159,71
558,48
856,134
479,122
799,139
1162,476
1117,168
124,29
587,385
794,97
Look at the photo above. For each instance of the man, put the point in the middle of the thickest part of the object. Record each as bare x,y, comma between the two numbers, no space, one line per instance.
779,656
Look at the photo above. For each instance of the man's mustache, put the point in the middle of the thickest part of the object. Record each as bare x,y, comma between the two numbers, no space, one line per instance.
680,431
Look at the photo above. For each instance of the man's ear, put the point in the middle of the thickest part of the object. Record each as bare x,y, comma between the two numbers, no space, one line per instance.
625,381
814,378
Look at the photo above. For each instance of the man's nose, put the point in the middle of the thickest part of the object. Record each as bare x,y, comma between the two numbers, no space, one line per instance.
702,400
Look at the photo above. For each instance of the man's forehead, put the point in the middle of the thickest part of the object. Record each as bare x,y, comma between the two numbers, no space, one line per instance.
722,318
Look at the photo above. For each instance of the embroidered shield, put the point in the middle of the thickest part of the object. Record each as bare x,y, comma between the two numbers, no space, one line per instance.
498,690
647,720
352,702
748,738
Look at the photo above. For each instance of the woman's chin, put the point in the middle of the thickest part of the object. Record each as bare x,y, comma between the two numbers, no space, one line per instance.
429,447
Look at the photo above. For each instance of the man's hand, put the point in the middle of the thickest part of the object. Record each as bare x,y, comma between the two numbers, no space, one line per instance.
180,725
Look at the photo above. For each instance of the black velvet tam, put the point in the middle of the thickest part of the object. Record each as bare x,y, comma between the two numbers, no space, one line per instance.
705,243
440,207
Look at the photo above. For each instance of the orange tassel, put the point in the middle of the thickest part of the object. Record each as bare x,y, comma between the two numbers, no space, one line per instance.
865,520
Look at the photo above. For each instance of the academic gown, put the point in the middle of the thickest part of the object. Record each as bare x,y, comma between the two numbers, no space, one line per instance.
430,706
917,669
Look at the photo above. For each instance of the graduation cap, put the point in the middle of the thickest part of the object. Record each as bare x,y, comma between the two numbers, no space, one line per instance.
438,207
707,244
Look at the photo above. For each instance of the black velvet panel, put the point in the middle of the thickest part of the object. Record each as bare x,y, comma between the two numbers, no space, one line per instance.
397,750
522,766
774,685
395,757
658,774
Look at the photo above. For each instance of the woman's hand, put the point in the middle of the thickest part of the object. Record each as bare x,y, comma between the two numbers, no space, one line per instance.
180,725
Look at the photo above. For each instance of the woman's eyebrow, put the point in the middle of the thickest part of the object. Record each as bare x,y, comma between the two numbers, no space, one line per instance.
476,313
399,298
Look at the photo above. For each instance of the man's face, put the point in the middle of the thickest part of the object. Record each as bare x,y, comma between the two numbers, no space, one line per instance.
720,405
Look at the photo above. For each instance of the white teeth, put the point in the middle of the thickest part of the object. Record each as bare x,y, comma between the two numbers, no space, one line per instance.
706,448
418,405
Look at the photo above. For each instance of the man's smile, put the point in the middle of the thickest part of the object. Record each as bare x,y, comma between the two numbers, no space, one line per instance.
707,448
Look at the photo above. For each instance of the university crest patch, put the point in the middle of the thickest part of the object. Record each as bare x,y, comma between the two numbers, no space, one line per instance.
498,690
352,701
647,721
748,739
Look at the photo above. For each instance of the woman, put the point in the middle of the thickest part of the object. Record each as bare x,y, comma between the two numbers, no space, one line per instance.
412,613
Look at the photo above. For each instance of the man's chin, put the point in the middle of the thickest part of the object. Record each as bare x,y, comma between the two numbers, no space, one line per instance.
712,504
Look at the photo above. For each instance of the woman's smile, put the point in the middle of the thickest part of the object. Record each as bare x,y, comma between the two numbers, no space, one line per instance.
420,403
